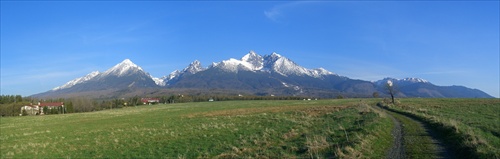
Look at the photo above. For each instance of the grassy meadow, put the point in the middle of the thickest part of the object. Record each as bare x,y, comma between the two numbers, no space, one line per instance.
347,128
472,125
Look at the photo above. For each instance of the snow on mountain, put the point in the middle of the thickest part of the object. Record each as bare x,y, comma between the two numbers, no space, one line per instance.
214,64
320,72
250,62
269,60
123,68
270,69
256,61
173,75
193,68
163,81
78,80
234,65
159,81
403,81
414,80
126,67
284,66
269,63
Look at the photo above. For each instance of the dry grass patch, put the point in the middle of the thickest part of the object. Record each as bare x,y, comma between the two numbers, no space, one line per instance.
310,110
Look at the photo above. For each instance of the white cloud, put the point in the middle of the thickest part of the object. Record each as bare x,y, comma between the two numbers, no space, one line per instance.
278,11
272,14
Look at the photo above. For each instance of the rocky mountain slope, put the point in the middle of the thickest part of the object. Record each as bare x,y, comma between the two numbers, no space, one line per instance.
253,74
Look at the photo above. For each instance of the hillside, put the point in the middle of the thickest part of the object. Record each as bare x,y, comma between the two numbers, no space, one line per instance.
252,74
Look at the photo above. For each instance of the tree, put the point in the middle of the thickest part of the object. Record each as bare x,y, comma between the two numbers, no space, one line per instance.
390,89
69,107
134,101
375,95
118,103
340,97
171,99
19,98
164,99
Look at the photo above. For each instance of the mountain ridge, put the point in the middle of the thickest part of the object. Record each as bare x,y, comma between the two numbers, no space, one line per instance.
254,74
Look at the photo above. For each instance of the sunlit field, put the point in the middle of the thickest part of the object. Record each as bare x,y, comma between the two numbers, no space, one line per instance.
347,128
284,129
471,125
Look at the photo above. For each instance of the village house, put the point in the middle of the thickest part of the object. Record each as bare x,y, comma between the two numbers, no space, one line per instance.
30,110
150,100
38,109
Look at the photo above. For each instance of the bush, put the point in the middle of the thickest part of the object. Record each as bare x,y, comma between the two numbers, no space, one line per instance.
24,113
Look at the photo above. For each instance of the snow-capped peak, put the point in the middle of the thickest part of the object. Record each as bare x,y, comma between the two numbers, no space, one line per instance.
414,80
320,72
128,62
234,65
122,68
194,67
256,61
273,63
404,81
214,64
159,81
78,80
285,67
249,56
172,75
274,54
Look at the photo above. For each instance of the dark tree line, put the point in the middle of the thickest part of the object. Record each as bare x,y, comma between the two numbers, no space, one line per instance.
8,99
10,105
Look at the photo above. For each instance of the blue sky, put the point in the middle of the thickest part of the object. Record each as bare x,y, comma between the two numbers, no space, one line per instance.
46,44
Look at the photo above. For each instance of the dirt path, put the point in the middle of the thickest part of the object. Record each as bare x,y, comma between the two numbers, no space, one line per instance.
415,139
397,149
441,150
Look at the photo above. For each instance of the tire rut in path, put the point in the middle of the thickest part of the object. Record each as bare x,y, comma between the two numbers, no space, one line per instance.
398,149
442,150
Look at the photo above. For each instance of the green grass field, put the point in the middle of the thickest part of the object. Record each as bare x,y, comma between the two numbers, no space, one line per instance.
274,129
473,125
347,128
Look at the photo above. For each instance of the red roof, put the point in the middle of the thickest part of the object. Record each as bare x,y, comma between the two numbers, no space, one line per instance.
56,104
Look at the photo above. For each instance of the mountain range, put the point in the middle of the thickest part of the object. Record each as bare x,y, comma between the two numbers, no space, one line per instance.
253,74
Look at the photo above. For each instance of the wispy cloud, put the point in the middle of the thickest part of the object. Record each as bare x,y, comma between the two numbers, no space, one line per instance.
273,14
278,11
